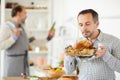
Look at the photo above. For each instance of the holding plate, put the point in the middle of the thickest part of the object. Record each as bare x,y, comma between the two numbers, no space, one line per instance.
82,49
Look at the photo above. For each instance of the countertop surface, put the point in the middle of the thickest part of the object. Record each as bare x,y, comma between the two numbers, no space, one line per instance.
21,78
14,78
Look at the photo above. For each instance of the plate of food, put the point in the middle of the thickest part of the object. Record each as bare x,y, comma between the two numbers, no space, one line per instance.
82,49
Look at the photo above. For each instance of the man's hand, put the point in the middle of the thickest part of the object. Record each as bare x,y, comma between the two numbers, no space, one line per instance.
100,52
16,32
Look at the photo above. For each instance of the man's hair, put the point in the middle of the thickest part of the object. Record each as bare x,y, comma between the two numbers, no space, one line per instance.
93,12
16,9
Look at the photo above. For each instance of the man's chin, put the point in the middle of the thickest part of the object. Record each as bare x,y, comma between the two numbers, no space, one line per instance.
86,36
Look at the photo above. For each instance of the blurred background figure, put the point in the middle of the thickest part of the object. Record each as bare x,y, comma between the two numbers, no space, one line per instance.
14,40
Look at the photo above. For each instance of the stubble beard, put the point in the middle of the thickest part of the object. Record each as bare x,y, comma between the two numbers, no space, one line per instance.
88,34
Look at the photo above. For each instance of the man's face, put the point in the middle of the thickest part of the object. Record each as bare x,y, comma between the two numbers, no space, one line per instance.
22,16
87,25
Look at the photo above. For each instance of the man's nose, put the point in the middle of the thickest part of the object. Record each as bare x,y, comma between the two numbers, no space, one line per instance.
84,27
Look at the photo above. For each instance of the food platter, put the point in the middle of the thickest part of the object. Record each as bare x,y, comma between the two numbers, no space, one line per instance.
82,53
83,50
86,56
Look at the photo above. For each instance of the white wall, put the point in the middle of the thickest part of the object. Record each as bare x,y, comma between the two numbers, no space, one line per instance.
103,7
63,9
58,11
0,13
111,26
108,11
0,25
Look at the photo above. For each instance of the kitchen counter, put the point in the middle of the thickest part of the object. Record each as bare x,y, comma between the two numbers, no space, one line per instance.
14,78
21,78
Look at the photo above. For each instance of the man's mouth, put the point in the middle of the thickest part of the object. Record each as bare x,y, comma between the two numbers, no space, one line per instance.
85,32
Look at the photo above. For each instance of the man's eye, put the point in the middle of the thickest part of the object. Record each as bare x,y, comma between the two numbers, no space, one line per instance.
80,25
87,24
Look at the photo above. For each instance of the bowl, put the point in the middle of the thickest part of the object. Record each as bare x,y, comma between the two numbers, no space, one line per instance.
55,73
69,77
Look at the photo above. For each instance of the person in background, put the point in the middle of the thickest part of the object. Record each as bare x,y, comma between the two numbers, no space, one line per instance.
14,40
107,56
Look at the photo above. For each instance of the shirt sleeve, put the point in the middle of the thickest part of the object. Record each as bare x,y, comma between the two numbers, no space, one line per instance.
15,37
6,38
69,64
113,58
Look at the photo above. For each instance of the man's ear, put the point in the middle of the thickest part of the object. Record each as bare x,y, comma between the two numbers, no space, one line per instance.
18,13
97,23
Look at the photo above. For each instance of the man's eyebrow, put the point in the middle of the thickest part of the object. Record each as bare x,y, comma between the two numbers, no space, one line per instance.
87,22
80,23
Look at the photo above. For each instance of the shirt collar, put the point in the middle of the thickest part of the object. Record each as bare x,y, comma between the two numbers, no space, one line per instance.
15,23
100,36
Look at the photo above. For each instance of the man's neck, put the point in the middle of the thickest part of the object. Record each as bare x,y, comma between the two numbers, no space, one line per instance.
16,21
95,35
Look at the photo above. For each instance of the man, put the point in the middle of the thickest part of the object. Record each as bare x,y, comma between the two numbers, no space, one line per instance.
107,56
13,39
